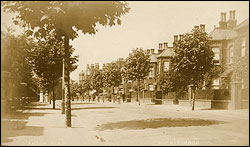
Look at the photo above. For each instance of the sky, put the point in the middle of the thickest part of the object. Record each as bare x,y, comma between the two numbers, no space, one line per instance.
147,24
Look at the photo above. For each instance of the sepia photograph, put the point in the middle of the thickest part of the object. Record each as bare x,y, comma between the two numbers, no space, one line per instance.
124,73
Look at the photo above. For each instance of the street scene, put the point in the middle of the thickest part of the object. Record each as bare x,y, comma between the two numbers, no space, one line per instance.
117,73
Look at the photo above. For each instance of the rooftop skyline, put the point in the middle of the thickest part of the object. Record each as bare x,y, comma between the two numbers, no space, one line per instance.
146,25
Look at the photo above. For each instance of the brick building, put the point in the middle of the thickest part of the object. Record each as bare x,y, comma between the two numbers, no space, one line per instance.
230,43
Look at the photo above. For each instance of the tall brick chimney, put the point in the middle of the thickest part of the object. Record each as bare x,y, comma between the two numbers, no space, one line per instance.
202,27
223,23
175,37
181,36
232,21
148,51
196,27
160,45
152,51
165,45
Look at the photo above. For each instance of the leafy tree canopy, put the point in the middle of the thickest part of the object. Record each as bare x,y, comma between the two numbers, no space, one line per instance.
137,64
193,58
65,17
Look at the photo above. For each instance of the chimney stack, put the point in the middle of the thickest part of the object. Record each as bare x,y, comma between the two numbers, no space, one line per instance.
196,27
165,45
148,51
221,16
232,21
175,38
223,23
202,27
181,36
152,51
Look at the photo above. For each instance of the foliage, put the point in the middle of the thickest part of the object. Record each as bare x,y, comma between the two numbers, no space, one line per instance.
193,59
61,15
46,60
112,75
74,87
14,51
137,65
96,80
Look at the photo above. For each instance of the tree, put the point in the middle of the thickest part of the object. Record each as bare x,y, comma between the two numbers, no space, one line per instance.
60,16
192,60
137,65
75,89
14,51
112,76
46,60
96,81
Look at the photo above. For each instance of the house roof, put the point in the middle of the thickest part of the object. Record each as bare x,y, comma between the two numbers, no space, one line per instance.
222,34
169,52
242,24
153,58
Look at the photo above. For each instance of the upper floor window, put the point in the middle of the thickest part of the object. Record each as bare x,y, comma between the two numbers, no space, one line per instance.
151,72
231,53
166,66
243,47
216,51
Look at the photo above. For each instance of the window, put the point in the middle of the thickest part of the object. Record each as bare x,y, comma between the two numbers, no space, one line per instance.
216,53
216,83
166,66
151,87
243,47
151,72
231,53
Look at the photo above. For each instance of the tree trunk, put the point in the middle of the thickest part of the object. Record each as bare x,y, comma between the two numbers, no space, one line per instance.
49,96
139,92
193,99
54,100
63,90
103,95
143,96
67,83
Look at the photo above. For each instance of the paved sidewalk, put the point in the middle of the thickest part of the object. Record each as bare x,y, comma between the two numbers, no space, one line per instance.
44,126
108,124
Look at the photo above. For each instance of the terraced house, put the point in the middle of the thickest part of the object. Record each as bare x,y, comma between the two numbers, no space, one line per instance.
230,43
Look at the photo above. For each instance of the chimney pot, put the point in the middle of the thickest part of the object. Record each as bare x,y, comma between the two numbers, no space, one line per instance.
233,14
196,27
181,36
152,51
175,37
148,51
202,27
166,45
221,16
224,18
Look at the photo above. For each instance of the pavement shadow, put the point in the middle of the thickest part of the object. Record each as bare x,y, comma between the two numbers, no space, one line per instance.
42,108
93,108
81,103
157,123
15,124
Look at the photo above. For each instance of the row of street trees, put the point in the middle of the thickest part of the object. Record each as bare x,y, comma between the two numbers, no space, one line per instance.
192,65
64,19
136,69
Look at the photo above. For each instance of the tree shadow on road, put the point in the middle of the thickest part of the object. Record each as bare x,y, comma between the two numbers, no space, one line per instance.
93,108
15,124
157,123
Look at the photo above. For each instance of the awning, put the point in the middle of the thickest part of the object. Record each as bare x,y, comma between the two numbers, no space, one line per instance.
226,72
